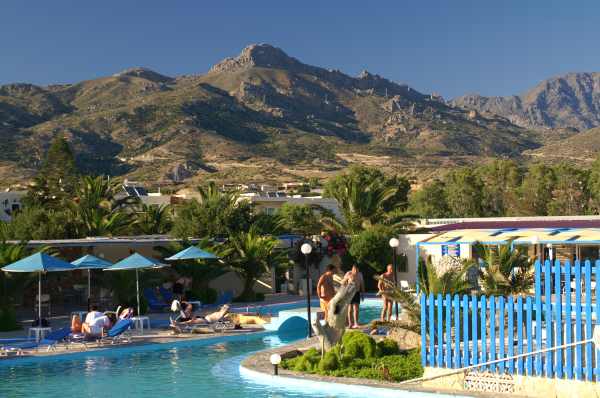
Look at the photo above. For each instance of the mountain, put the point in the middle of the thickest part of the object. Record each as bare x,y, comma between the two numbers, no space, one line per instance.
262,115
569,101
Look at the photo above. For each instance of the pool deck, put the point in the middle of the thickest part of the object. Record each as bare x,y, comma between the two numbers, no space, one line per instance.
260,363
157,336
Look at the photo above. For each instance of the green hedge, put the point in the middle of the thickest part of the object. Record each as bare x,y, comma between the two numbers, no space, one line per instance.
359,356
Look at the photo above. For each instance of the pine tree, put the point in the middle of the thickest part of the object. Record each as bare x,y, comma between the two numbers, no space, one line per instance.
57,178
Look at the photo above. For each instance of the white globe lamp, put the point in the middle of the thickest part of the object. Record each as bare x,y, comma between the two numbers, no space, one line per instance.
306,249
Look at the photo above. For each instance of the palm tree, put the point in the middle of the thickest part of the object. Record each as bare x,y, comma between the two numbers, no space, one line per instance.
152,219
252,256
10,284
9,253
505,272
97,211
362,203
212,213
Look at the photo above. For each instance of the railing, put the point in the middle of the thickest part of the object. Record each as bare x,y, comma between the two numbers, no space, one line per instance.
469,330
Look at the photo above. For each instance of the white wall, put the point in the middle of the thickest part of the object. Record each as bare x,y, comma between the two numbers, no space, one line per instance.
408,246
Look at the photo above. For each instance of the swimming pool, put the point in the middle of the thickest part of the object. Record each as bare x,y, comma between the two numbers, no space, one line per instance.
201,368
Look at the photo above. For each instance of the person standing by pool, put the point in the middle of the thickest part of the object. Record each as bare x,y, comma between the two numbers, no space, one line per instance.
388,275
356,277
325,288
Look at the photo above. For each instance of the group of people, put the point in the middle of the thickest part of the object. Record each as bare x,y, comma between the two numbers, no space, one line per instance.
330,281
326,289
96,323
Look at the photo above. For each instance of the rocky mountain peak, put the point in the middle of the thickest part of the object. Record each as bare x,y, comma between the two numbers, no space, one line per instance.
260,55
568,101
144,73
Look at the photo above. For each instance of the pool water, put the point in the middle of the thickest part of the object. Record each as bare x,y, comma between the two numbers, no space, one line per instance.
208,368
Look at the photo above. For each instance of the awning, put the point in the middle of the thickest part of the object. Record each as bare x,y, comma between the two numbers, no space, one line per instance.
517,236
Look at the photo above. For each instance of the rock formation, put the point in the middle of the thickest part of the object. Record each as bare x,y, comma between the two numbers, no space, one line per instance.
335,324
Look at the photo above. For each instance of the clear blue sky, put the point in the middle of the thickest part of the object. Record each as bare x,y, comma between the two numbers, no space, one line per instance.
448,46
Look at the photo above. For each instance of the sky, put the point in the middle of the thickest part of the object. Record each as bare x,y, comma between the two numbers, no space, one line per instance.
451,47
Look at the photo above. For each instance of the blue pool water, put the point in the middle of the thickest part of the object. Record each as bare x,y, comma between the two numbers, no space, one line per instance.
208,368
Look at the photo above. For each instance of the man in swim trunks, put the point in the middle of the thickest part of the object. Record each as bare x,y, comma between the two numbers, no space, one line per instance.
386,311
356,277
325,288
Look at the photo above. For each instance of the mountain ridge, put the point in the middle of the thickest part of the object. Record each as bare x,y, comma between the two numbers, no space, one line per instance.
261,113
571,100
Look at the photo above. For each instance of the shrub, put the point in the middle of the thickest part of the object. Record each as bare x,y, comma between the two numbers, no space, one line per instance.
329,362
8,319
358,345
308,362
402,367
387,347
395,367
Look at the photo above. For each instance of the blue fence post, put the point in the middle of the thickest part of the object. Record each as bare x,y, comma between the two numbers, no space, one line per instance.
520,334
568,336
465,308
538,327
431,331
440,333
510,308
492,332
548,316
538,315
501,331
456,305
597,273
588,320
483,322
578,361
448,304
558,316
417,270
423,330
474,350
529,324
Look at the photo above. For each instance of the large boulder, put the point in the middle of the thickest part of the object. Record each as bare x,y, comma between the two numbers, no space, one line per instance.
406,339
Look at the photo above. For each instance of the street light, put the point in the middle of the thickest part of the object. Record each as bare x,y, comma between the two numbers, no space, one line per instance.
394,243
275,361
306,249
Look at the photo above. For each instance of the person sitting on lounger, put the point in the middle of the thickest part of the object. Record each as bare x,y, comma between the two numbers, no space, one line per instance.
127,313
96,327
188,317
76,324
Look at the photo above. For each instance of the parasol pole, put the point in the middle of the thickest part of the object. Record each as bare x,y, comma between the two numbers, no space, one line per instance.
89,288
137,288
40,299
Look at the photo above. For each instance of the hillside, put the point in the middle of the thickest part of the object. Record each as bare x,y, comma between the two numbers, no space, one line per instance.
569,101
261,115
580,148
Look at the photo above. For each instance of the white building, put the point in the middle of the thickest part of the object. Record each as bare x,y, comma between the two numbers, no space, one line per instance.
10,201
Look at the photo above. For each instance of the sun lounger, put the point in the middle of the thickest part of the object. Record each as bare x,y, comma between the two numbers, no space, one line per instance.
117,334
166,294
50,341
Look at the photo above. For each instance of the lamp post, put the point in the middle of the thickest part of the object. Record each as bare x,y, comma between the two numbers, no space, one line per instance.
394,243
306,249
275,361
